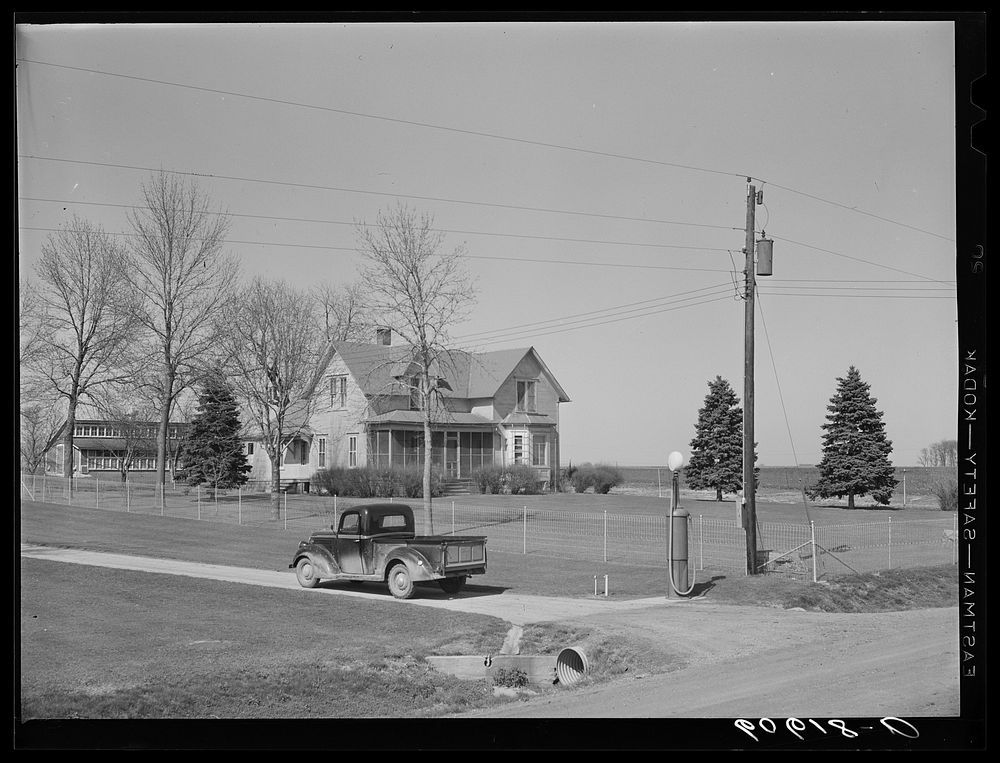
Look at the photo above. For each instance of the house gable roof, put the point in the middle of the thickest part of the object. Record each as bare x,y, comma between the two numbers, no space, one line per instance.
470,375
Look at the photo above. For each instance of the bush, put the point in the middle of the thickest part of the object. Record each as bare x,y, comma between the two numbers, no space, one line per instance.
489,479
946,492
371,482
518,479
605,478
513,677
522,480
601,478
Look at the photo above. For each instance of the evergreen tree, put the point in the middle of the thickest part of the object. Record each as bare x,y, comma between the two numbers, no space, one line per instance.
855,449
717,448
213,450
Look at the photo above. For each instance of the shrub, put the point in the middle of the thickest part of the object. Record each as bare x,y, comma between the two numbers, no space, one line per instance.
946,492
371,482
513,677
522,480
489,479
606,477
411,482
601,477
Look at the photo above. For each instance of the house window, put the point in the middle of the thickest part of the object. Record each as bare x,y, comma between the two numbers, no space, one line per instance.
338,391
322,451
414,383
248,448
539,450
352,450
518,449
526,395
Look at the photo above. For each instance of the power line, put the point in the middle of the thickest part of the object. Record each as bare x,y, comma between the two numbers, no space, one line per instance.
316,187
466,256
440,230
475,203
714,289
482,134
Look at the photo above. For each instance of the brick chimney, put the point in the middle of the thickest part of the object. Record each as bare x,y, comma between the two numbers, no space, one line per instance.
383,336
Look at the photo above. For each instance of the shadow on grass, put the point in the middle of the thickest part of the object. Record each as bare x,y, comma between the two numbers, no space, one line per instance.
702,588
424,590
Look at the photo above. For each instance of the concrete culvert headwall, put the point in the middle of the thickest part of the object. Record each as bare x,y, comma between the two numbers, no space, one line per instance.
571,665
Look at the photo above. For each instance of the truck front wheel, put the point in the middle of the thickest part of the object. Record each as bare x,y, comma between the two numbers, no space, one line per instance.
452,585
305,572
400,582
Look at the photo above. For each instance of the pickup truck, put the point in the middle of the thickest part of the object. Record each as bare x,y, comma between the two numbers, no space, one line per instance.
378,543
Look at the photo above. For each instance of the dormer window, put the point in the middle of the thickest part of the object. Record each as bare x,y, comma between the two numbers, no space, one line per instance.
526,395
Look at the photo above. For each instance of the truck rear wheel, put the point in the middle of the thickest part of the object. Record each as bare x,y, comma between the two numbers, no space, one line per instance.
400,582
452,585
305,572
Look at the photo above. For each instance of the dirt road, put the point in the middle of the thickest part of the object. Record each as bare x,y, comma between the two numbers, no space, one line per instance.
729,661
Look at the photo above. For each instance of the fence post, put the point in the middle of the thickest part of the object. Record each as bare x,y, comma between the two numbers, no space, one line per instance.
128,504
890,543
161,485
659,492
69,491
452,517
43,491
812,538
97,493
701,542
605,536
524,532
286,511
239,504
199,500
335,510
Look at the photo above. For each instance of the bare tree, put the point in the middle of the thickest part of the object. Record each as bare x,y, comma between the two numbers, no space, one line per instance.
272,342
346,313
419,291
82,291
41,424
131,421
942,453
178,268
33,326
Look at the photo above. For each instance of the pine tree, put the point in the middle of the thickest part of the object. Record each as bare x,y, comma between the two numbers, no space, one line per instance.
717,448
855,449
213,450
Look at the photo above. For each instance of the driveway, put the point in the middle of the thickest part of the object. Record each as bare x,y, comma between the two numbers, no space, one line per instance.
726,661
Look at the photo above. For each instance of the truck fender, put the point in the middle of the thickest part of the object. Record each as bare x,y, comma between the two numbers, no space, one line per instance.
321,558
420,568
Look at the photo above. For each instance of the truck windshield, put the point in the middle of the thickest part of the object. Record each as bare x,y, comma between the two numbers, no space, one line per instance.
388,523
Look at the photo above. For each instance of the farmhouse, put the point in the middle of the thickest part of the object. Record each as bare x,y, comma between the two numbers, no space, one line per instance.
495,408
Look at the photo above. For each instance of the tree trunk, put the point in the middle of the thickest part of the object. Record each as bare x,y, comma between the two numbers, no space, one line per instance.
67,464
718,494
276,483
428,448
850,500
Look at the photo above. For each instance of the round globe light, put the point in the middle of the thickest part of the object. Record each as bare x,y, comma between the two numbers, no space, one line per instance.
675,461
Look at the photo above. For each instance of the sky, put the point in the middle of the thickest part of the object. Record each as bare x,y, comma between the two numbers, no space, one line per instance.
595,175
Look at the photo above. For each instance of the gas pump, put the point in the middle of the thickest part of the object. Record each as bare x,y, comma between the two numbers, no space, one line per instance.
677,541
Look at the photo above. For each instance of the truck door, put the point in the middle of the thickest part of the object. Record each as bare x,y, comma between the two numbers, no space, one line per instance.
349,543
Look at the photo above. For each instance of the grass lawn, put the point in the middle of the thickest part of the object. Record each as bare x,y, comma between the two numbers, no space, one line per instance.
103,643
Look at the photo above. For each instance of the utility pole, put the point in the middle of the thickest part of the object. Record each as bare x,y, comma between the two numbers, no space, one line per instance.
749,513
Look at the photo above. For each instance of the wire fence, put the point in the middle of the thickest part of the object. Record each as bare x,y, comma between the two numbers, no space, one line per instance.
802,549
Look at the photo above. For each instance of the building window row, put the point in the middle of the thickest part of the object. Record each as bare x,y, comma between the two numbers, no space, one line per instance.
108,430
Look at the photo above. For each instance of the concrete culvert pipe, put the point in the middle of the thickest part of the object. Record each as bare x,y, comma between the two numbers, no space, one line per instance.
571,665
